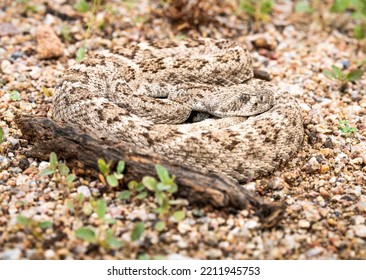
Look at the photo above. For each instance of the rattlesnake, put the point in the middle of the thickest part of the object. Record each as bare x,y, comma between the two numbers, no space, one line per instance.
143,95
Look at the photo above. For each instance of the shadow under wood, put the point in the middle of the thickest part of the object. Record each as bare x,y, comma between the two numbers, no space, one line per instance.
217,190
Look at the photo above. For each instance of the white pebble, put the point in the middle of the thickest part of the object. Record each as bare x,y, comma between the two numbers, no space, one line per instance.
251,224
304,224
84,190
43,165
6,67
250,186
359,220
360,231
49,254
12,254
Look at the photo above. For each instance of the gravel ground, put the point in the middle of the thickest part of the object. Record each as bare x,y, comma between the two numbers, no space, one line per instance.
324,186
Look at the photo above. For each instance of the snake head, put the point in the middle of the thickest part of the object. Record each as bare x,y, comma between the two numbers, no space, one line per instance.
240,101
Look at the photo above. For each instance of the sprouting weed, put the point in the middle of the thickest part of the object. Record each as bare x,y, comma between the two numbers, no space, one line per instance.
60,171
107,176
342,77
345,128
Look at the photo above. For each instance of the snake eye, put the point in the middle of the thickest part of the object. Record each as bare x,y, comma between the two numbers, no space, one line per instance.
244,97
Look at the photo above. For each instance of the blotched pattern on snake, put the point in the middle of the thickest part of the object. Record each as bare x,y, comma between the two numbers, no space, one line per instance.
143,95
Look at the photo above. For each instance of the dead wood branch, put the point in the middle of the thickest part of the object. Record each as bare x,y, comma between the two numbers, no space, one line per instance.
46,137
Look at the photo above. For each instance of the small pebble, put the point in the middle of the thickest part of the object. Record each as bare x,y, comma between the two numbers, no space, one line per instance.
48,44
84,190
360,230
10,254
23,163
304,224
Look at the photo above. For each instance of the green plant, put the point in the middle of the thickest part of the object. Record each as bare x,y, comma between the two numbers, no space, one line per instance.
81,52
27,7
342,77
137,231
358,13
87,234
46,91
65,33
81,6
36,228
106,239
14,95
101,235
303,7
1,135
111,179
60,171
259,10
346,129
149,257
162,190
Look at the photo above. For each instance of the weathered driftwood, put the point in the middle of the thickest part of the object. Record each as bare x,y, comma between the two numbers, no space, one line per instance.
219,191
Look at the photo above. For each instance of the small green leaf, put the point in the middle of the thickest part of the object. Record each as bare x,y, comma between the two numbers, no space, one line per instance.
46,92
87,209
359,32
163,201
53,161
120,167
150,183
329,74
265,7
14,95
137,231
345,128
117,175
247,7
81,6
112,241
339,6
338,72
103,167
46,172
44,225
70,205
179,216
1,135
140,187
70,178
354,75
64,170
162,173
160,197
112,180
24,221
303,7
85,234
141,195
173,188
132,185
124,195
144,257
101,208
162,187
80,54
160,226
109,221
65,32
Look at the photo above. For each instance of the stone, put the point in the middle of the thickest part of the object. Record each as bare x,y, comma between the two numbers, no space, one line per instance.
48,44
